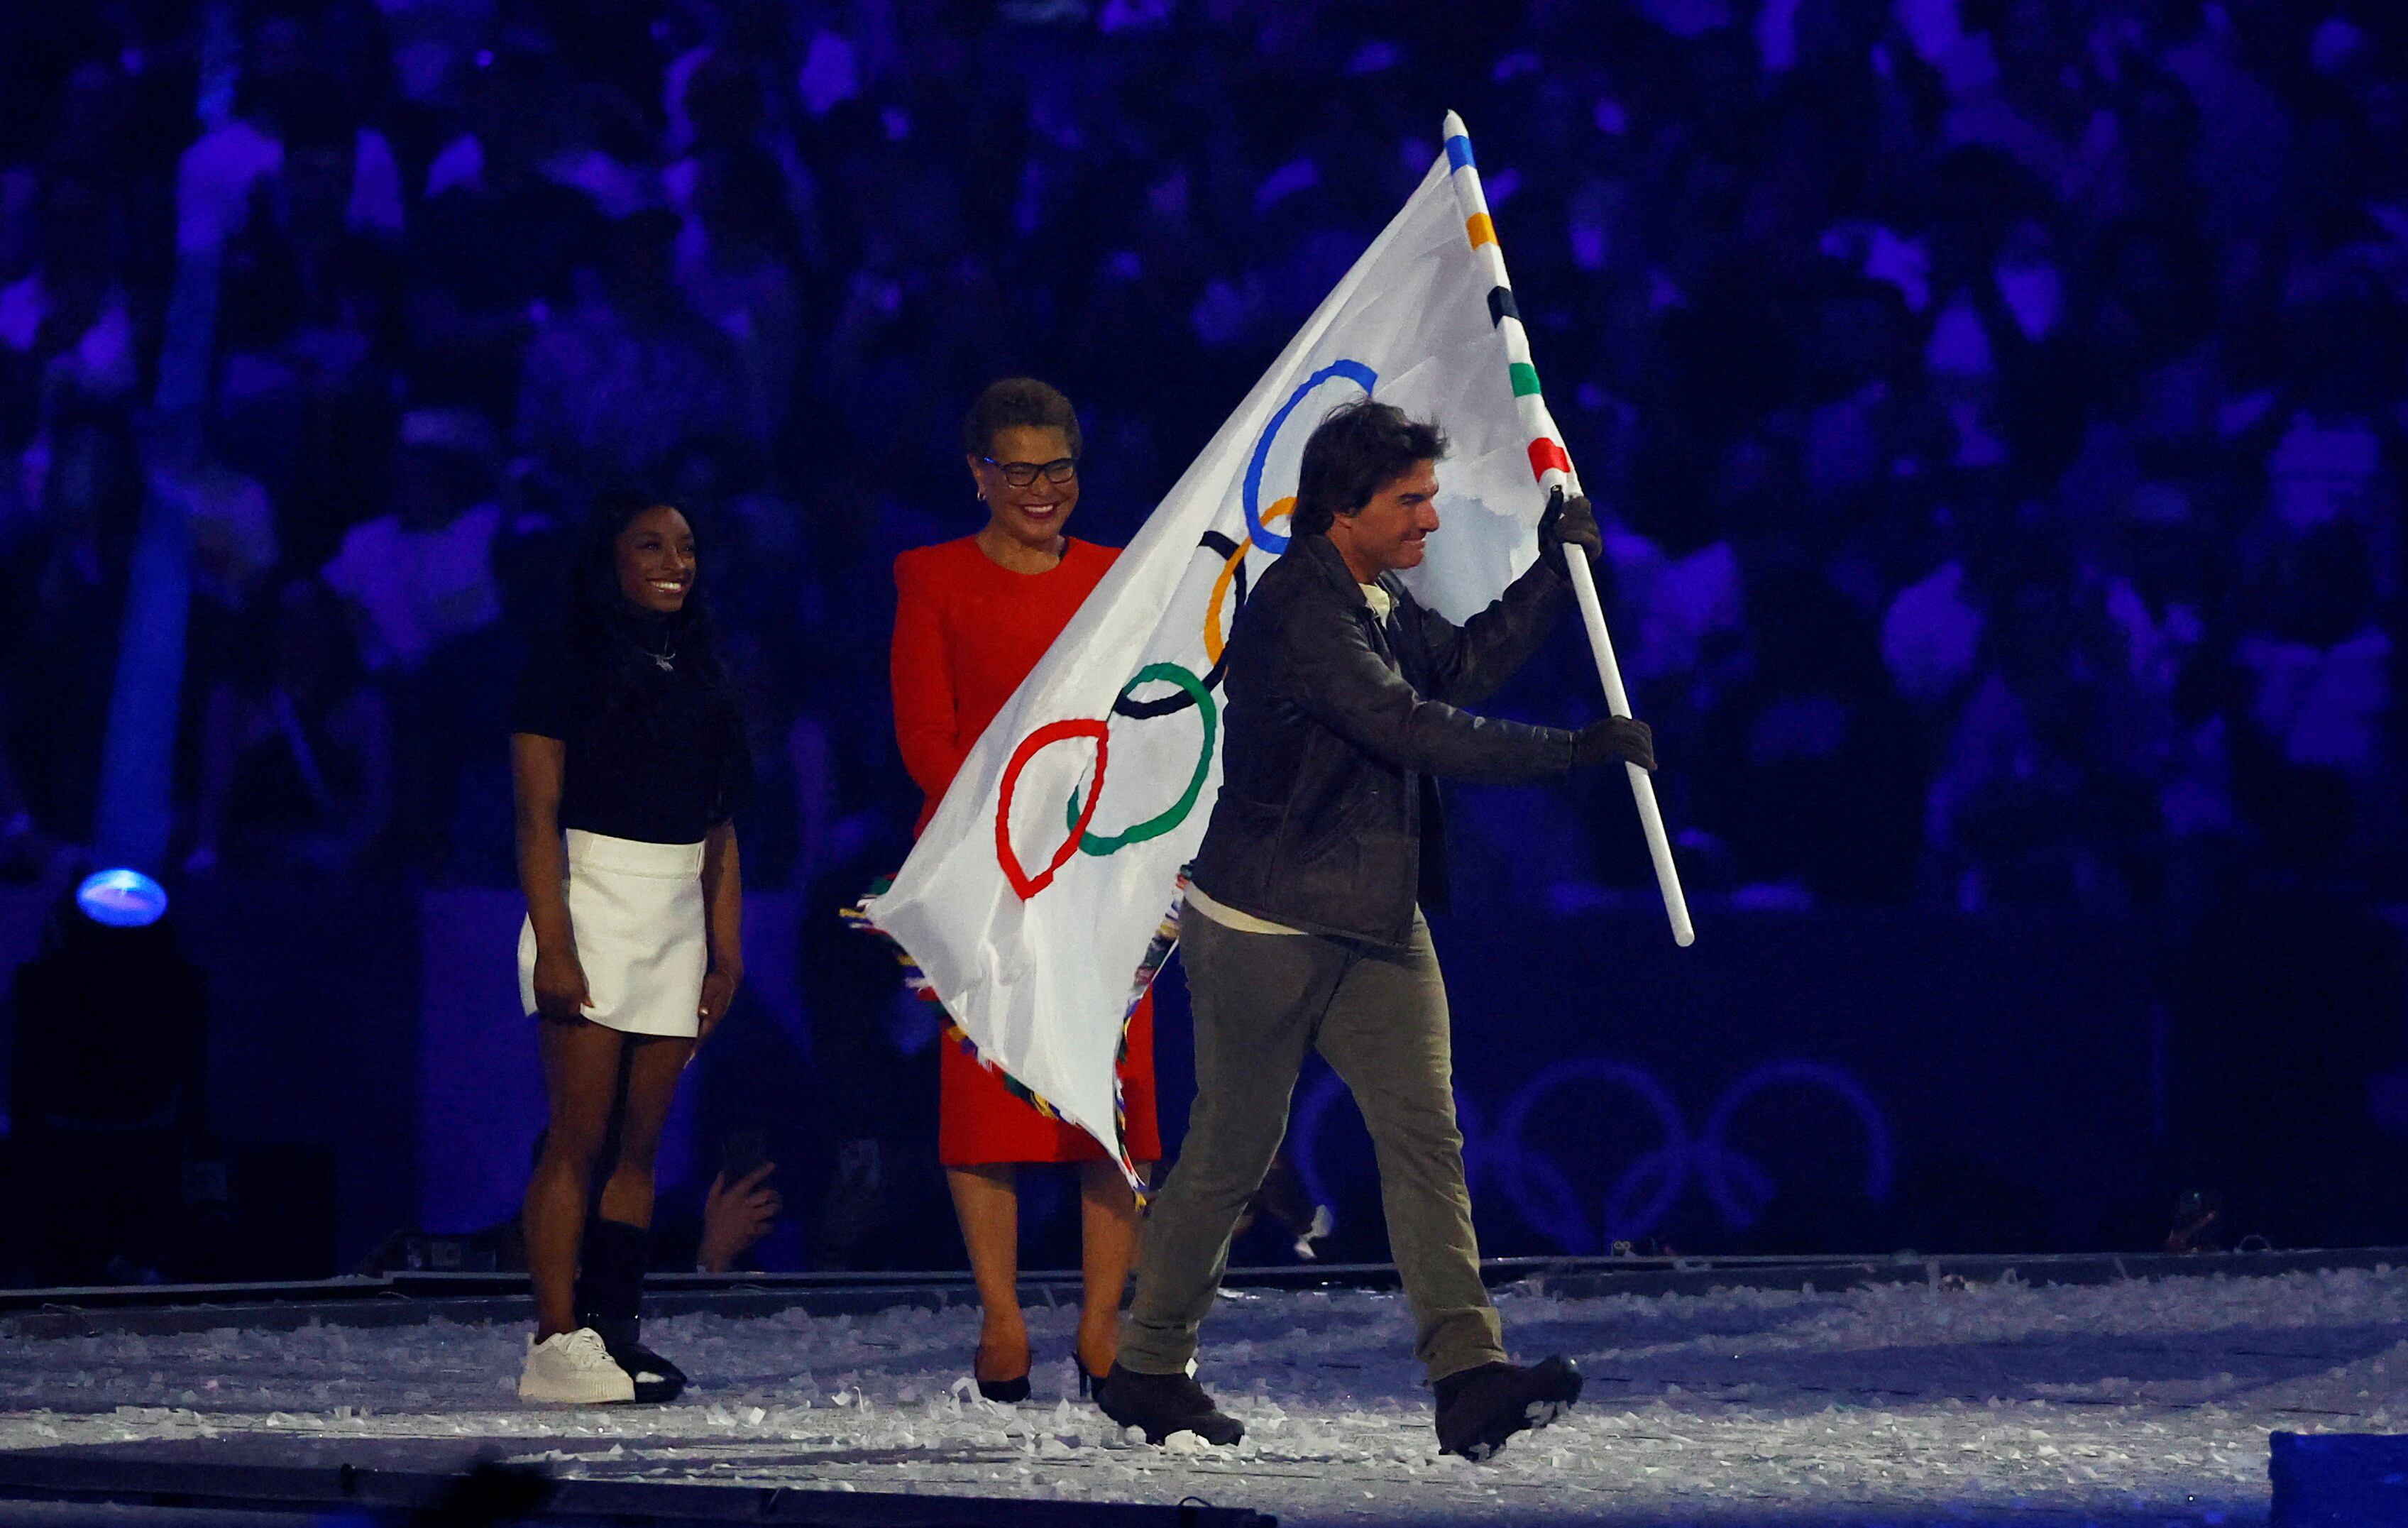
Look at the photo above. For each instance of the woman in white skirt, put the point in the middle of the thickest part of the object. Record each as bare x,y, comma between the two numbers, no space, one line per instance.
630,761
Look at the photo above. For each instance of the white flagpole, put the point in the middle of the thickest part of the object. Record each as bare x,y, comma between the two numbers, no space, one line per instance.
1557,472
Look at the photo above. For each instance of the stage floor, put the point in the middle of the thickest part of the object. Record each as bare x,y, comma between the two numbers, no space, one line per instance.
2145,1402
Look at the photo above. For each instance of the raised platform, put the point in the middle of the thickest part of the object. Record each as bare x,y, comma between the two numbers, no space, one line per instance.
1831,1392
402,1298
197,1483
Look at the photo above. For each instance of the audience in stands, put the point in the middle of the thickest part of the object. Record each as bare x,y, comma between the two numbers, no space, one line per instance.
1999,402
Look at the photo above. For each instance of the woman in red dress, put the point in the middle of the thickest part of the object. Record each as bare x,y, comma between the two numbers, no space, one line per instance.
972,619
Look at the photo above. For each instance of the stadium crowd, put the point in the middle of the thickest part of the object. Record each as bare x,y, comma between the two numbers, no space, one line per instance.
1998,404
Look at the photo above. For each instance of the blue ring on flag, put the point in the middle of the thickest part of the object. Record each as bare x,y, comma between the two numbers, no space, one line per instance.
1272,541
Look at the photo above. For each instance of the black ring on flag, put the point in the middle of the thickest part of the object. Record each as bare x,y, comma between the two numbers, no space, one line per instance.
1179,700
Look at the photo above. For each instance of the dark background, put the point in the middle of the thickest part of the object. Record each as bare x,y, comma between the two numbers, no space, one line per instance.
1997,406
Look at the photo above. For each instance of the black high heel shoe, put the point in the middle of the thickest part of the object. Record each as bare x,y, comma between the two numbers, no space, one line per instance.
1091,1386
1001,1391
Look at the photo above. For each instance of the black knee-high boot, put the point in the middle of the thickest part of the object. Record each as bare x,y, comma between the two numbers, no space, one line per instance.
610,1299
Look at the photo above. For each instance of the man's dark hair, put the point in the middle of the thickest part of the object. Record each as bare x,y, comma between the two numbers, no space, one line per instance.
1360,449
1017,402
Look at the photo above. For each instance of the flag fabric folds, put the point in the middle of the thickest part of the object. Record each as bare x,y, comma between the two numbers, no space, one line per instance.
1035,901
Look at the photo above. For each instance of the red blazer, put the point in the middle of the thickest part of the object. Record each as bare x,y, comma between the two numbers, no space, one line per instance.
966,632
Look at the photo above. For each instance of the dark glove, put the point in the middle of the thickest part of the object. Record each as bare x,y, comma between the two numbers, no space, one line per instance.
1569,521
1615,737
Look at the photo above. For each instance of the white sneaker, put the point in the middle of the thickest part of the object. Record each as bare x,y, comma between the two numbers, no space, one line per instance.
573,1368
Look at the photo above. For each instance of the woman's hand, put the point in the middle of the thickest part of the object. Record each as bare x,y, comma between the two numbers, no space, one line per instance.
734,1216
560,995
719,985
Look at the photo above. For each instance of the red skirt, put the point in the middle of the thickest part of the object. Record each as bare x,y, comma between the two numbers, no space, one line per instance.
979,1123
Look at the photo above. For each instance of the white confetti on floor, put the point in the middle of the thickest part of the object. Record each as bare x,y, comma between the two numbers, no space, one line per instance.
2127,1404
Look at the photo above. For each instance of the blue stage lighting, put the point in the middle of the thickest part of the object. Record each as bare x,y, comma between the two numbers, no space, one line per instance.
122,898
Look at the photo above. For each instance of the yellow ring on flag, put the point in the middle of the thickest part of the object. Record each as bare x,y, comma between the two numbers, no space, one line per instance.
1213,641
1480,229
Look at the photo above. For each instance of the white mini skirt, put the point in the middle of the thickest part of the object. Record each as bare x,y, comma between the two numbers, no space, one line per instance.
636,911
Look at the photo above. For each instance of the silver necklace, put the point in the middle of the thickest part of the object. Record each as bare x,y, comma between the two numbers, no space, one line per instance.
665,661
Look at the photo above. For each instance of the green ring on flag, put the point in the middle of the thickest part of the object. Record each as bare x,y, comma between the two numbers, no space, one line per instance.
1100,843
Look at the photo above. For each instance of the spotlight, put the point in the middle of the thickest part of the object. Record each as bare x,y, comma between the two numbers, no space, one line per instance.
122,899
109,1083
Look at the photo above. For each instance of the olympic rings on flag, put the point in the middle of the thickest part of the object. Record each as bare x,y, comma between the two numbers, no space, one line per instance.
1234,569
1232,577
1272,541
1187,689
1232,555
1030,746
1099,845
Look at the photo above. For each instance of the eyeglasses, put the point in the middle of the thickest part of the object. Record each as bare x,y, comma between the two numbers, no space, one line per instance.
1021,474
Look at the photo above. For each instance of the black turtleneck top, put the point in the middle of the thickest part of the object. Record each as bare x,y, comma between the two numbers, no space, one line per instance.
655,751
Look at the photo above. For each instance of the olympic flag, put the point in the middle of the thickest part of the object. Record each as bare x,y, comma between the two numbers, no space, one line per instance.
1035,901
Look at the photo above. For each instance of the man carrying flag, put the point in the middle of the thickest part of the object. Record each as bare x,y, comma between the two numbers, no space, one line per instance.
1267,678
1344,698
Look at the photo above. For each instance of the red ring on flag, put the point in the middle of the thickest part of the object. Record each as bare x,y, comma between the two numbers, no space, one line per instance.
1043,737
1545,453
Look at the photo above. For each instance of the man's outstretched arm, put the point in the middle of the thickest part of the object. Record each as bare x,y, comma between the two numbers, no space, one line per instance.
1469,662
1338,679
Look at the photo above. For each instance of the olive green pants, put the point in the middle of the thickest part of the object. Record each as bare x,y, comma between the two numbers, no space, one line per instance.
1380,1018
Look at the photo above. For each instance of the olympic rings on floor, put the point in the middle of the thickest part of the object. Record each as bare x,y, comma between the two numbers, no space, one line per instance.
1271,541
1099,845
1557,1198
1740,1188
1030,746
